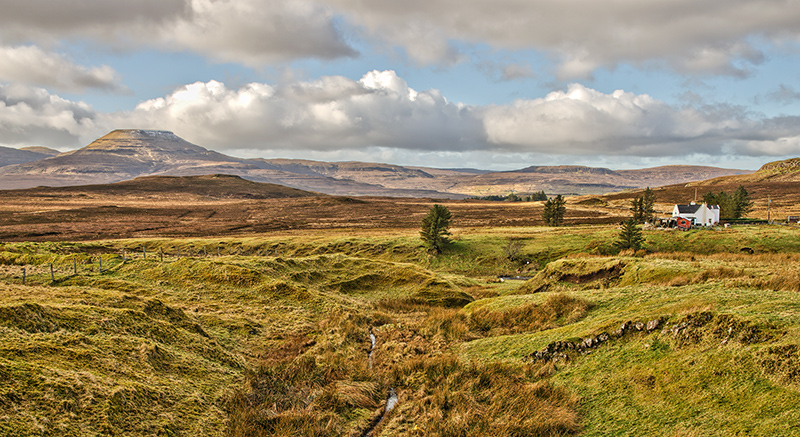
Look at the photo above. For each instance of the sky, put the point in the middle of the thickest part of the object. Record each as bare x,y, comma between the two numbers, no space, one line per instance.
490,84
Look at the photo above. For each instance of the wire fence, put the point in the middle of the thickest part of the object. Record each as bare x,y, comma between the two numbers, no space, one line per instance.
83,264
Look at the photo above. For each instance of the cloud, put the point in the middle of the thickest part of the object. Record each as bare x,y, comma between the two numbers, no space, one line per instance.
32,65
719,37
253,33
328,114
381,116
585,121
784,94
709,37
32,116
515,71
245,31
504,72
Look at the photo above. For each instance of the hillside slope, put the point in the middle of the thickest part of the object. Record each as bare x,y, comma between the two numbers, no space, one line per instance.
210,187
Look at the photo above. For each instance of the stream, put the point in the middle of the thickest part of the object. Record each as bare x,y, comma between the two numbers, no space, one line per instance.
372,348
391,400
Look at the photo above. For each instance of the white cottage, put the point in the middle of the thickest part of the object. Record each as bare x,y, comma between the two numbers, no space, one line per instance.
699,215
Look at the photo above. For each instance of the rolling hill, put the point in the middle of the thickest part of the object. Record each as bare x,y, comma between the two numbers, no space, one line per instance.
206,187
774,188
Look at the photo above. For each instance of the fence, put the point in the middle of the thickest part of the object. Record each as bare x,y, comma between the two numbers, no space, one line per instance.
99,264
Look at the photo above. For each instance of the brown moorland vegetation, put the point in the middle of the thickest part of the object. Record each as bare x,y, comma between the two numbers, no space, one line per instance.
226,205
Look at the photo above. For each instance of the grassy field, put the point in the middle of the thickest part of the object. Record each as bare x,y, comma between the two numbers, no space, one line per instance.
270,334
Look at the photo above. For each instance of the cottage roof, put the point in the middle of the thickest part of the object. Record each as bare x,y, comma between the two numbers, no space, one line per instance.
688,209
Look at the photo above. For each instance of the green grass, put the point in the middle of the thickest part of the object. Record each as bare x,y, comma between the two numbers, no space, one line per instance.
271,337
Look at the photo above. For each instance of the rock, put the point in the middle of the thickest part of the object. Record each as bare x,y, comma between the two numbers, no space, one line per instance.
623,329
601,338
653,325
639,326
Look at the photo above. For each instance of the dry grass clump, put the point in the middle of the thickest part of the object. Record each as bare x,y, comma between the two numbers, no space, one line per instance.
304,396
557,310
447,397
318,385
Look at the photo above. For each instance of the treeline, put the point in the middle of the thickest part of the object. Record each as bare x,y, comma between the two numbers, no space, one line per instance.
731,207
533,197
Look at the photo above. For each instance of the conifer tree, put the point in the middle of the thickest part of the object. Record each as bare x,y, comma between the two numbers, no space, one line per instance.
554,210
741,202
648,205
434,230
630,236
643,208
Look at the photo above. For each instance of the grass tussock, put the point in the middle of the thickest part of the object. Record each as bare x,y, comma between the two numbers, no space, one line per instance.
583,270
303,396
319,385
448,397
557,310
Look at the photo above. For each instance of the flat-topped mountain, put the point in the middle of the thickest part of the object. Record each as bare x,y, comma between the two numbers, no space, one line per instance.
128,152
125,154
564,169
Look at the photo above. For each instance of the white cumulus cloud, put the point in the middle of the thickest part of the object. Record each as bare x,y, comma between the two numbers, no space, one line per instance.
32,116
330,113
382,117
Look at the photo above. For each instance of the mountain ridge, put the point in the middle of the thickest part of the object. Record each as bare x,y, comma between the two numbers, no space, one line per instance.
126,154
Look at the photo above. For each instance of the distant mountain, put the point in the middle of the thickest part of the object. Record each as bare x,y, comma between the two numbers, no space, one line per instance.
125,154
561,169
43,150
130,153
11,156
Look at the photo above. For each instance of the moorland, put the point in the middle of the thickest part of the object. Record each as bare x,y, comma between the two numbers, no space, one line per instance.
217,306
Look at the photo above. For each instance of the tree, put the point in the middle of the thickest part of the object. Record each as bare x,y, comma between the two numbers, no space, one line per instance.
637,209
539,195
728,208
630,236
643,208
649,205
741,202
554,210
434,231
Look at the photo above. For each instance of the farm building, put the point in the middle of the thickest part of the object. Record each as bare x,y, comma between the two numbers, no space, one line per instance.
698,215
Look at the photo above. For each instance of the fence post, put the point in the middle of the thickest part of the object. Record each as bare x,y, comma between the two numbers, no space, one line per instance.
217,250
179,251
191,251
144,251
75,267
52,274
205,253
24,273
161,252
100,261
123,255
